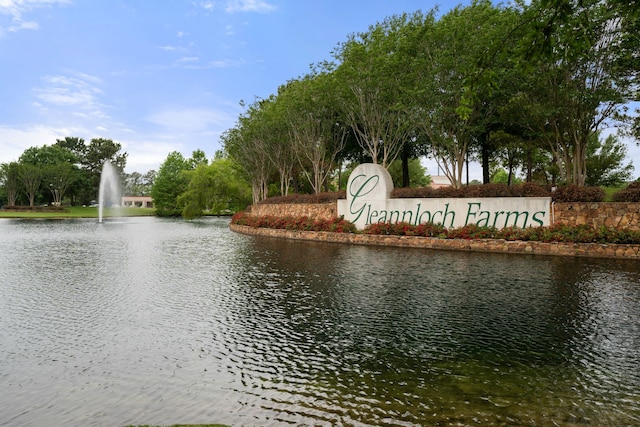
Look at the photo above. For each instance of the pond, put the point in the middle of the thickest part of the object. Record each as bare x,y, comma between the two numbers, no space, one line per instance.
159,321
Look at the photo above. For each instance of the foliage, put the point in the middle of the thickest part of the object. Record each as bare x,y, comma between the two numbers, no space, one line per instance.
575,193
170,183
555,233
406,229
523,85
327,197
418,176
371,77
486,190
136,184
217,188
10,181
315,135
581,81
605,162
336,225
629,194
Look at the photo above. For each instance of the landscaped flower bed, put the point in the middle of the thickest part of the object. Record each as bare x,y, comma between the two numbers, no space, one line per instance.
556,233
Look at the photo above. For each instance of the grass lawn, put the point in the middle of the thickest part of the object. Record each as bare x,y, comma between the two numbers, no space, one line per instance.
610,191
80,212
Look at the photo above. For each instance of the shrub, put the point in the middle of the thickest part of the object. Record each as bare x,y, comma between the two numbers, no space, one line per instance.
574,193
337,225
629,194
413,193
327,197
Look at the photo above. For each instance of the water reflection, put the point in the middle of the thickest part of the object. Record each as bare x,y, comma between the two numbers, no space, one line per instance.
162,321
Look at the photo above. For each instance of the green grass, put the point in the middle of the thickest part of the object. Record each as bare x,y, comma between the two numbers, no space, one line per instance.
80,212
610,191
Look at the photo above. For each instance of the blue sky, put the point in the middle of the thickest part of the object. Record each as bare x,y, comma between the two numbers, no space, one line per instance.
159,76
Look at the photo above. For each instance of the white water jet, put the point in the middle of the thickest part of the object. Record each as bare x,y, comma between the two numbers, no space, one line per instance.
109,195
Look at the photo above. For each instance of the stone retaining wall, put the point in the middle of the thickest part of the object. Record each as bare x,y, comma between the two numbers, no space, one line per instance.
619,215
478,245
311,210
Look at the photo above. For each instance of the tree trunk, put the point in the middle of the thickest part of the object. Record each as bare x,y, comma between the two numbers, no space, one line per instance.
486,175
404,155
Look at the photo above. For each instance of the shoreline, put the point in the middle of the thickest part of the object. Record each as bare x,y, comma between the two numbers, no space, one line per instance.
587,250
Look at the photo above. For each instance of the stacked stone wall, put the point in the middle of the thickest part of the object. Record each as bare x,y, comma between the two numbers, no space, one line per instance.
620,215
297,210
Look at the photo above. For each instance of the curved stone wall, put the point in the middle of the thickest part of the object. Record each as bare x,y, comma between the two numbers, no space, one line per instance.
479,245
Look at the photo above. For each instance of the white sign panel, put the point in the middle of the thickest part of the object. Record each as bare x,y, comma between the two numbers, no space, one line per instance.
368,202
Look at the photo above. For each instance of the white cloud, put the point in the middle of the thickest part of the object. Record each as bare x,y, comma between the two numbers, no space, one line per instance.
238,6
16,9
15,140
259,6
189,59
79,91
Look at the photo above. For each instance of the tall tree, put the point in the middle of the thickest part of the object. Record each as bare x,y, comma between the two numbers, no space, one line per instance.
58,178
170,183
217,187
581,83
30,176
90,158
317,136
605,162
247,144
372,73
454,81
10,180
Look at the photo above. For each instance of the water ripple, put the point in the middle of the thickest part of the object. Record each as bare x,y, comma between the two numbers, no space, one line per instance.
151,321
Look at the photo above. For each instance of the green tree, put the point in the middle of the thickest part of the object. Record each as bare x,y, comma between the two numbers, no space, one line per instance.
170,182
58,178
30,177
57,171
10,180
247,144
217,188
317,136
580,77
418,175
455,81
605,162
372,74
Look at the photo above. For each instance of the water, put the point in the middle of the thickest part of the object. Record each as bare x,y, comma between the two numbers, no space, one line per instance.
152,321
109,192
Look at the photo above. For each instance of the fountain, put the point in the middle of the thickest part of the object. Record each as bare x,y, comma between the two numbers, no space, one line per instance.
109,195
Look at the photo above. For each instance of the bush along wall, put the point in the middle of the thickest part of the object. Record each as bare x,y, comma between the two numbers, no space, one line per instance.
556,233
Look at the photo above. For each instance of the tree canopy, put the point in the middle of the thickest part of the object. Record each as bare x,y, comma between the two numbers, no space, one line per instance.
525,86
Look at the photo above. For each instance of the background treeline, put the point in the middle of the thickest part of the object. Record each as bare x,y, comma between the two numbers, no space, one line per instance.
519,87
67,170
524,89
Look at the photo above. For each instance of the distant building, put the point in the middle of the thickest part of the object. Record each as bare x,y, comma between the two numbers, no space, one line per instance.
439,181
137,201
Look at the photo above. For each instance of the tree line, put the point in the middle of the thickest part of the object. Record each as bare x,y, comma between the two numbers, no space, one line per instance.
67,170
519,87
523,87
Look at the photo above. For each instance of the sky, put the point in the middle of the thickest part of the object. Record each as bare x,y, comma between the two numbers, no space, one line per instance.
163,76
